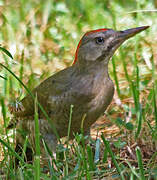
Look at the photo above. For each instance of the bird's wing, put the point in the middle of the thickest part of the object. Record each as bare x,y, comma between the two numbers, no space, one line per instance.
54,86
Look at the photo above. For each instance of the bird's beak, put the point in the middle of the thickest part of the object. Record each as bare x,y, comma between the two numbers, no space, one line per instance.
121,36
124,35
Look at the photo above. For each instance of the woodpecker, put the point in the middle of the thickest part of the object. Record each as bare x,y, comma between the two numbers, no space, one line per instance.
85,85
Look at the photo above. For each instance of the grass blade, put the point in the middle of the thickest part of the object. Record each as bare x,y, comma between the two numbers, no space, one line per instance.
37,142
113,157
12,151
90,158
6,52
140,164
115,76
70,118
97,151
139,119
3,77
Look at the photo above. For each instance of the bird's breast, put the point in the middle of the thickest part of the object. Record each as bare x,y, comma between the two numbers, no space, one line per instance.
94,94
103,97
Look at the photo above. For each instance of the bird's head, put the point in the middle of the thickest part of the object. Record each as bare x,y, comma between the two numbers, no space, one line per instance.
100,44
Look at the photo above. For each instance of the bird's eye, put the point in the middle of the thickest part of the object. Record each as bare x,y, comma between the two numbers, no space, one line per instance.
99,40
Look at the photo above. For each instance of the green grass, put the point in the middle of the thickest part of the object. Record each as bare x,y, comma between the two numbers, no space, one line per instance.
39,38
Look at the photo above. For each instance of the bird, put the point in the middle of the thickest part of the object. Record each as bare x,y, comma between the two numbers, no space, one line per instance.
85,87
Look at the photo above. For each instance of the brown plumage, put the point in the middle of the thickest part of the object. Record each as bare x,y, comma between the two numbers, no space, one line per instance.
86,85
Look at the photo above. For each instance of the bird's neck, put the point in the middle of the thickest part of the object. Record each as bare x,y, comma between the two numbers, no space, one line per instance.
96,67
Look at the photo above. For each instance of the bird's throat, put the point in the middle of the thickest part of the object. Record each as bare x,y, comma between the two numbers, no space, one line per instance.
95,69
